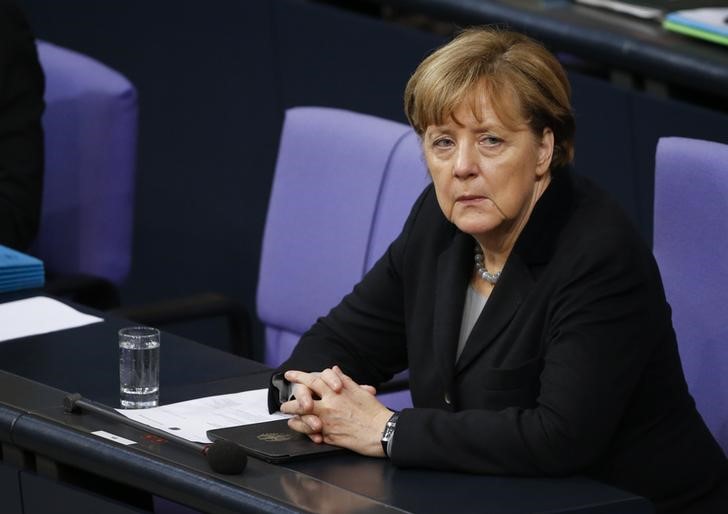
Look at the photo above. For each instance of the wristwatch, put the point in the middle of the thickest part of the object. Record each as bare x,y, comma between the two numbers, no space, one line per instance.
389,432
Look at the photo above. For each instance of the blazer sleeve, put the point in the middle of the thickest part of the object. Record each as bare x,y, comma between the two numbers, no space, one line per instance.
603,324
21,133
365,333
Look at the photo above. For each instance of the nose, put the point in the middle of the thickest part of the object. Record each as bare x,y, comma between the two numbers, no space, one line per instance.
466,162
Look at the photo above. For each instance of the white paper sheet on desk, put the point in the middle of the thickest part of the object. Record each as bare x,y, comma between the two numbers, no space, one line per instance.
39,315
192,419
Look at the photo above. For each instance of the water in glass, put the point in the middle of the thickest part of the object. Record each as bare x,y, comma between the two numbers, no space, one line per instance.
139,373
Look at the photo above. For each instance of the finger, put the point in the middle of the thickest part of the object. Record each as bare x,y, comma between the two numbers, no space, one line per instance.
314,382
296,423
344,377
309,425
369,389
293,407
316,438
290,407
330,439
301,404
304,398
332,379
313,422
346,380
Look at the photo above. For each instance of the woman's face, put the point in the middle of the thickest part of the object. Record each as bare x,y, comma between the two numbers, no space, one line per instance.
487,176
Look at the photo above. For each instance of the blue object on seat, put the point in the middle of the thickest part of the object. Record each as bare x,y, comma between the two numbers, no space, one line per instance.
344,184
691,245
90,126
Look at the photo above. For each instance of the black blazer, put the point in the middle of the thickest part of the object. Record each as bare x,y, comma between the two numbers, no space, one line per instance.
21,133
571,368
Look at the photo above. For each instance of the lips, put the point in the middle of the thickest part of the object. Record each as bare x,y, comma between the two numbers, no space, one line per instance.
469,198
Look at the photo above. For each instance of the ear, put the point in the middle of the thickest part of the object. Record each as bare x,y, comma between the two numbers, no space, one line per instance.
545,152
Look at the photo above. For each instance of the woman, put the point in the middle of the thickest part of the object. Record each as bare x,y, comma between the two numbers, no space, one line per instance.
528,310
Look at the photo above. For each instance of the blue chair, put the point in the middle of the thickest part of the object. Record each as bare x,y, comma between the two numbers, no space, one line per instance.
690,245
344,183
90,125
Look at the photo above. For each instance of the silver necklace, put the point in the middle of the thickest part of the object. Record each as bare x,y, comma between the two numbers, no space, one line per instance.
483,273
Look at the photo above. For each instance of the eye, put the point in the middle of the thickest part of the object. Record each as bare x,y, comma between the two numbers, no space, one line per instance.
489,140
443,142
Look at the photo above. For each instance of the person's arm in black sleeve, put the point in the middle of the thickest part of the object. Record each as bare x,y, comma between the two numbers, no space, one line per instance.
364,335
21,133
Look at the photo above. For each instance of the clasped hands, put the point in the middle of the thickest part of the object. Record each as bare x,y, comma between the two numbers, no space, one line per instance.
329,407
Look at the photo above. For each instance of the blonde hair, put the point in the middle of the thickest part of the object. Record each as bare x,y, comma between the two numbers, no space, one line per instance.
504,63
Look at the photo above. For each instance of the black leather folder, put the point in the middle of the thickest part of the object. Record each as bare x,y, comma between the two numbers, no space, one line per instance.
272,441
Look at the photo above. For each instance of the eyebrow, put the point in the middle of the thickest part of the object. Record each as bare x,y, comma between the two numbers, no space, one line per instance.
497,127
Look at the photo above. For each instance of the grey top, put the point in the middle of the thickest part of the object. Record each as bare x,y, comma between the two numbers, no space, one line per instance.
474,304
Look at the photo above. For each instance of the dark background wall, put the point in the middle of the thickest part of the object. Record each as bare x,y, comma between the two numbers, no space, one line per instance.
214,78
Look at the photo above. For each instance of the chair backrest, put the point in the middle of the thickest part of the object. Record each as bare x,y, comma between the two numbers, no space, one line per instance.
691,247
343,186
90,126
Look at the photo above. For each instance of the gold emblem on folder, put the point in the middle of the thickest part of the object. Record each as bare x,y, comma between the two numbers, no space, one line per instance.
274,437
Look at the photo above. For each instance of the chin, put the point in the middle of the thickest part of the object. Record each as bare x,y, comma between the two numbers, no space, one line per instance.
480,221
475,229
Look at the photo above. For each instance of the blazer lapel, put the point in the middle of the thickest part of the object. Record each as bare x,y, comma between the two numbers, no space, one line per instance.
454,268
513,286
533,249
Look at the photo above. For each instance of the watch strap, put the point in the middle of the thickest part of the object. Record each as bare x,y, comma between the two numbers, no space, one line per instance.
388,432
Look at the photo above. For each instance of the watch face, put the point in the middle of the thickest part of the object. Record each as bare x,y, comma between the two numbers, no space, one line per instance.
389,432
389,428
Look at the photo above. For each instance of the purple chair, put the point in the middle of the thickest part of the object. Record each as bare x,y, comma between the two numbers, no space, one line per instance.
90,126
343,186
691,245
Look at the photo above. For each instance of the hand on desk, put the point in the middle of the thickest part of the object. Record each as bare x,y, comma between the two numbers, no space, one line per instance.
345,414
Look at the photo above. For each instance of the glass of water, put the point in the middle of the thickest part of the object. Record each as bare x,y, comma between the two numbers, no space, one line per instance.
139,367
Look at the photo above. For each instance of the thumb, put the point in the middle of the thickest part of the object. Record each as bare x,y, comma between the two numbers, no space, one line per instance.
345,379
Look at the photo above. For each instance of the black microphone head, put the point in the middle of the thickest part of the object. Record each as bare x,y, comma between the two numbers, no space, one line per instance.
226,457
70,403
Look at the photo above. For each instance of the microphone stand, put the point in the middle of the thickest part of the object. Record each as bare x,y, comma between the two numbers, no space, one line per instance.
224,457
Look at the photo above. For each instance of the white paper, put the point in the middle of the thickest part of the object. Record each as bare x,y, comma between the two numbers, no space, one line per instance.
192,419
39,315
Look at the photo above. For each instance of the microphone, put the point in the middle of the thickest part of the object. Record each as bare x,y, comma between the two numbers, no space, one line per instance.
223,456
